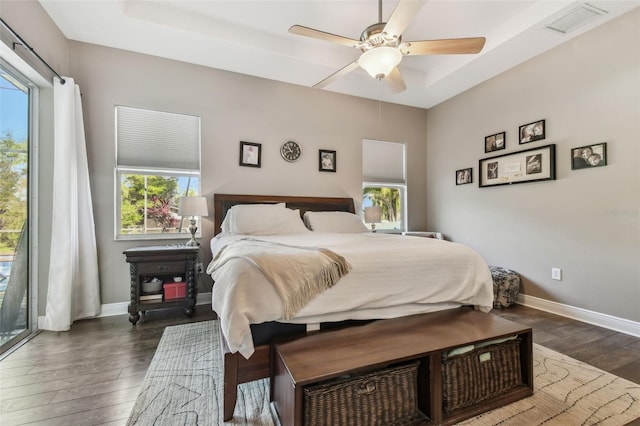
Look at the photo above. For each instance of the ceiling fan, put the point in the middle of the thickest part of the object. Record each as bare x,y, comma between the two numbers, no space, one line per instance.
383,49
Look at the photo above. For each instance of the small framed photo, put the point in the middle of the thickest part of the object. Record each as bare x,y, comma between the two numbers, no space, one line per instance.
327,160
495,142
250,154
532,132
589,156
464,176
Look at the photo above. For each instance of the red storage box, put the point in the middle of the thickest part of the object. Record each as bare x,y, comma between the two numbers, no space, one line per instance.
175,290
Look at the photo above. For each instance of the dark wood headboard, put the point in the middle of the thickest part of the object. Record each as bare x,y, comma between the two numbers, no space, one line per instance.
223,202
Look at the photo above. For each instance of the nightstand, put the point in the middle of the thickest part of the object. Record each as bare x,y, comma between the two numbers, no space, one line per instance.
162,263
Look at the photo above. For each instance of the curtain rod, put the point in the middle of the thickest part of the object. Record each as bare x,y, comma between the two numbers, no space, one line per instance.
29,48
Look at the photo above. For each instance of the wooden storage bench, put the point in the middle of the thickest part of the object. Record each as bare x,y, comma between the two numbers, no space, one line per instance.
324,357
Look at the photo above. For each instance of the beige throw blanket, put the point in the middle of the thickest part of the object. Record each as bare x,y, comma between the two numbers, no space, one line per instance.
297,273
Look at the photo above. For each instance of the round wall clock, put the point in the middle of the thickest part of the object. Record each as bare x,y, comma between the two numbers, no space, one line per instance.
290,151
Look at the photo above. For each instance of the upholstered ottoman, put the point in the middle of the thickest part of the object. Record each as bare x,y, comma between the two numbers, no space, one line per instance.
506,286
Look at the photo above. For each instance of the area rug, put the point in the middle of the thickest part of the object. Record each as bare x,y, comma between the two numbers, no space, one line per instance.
183,386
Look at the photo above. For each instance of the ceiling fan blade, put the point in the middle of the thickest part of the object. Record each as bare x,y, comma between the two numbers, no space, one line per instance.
402,15
336,75
395,81
443,47
321,35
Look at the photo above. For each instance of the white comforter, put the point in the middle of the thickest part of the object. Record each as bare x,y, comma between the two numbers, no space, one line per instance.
391,276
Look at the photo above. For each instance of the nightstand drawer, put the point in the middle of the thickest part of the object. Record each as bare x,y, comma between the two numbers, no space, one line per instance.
161,268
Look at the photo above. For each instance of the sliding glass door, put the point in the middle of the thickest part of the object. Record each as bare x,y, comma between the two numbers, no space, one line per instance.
15,125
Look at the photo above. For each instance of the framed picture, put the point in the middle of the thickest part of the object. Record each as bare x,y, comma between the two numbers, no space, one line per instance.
530,165
250,154
532,132
495,142
327,160
589,156
463,176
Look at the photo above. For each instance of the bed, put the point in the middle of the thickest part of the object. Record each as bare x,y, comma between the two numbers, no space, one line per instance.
387,288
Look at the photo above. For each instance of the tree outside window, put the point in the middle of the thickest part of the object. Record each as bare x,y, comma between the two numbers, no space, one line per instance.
13,191
149,203
389,199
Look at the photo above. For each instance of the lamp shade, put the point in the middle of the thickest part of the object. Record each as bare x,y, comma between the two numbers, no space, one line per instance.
372,214
380,61
193,206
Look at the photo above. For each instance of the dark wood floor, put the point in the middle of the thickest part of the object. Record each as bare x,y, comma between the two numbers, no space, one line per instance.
91,375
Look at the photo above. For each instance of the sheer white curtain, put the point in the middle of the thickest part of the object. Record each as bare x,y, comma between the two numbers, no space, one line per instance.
74,287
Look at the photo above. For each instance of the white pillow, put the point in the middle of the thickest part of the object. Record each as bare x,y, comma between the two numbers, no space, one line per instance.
228,222
265,220
338,222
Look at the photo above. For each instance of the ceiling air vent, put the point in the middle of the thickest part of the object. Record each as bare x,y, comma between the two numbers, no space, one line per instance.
577,17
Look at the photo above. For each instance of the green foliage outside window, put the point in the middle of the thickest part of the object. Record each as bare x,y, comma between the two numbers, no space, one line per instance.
149,203
13,191
390,202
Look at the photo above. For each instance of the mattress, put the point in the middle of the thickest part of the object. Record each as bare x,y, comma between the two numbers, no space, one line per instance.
391,276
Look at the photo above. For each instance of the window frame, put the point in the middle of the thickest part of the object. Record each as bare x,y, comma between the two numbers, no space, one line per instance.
123,170
34,83
147,142
403,204
385,179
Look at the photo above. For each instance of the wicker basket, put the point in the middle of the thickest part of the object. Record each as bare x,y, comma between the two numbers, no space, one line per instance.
383,397
480,374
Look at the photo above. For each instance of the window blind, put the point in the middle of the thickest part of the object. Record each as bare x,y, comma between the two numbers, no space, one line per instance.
156,139
383,162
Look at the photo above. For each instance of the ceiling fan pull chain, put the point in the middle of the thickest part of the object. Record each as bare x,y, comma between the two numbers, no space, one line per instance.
380,102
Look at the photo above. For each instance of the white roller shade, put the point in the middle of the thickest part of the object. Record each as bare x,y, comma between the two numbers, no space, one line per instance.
156,139
383,162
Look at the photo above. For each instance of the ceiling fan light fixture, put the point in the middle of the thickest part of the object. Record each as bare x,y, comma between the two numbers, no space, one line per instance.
380,61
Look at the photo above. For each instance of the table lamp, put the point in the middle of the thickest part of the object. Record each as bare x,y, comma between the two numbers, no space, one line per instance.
372,215
193,206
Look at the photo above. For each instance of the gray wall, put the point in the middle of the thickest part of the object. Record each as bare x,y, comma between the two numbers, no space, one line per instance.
234,108
32,23
587,222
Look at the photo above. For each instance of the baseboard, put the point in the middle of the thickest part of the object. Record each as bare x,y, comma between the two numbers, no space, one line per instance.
591,317
121,308
111,309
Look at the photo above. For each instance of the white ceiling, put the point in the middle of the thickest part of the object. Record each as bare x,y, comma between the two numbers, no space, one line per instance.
251,37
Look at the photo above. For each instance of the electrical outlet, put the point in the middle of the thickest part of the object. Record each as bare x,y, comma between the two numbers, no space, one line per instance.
556,274
199,268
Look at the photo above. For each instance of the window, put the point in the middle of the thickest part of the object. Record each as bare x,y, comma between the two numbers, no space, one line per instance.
157,162
384,184
18,207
